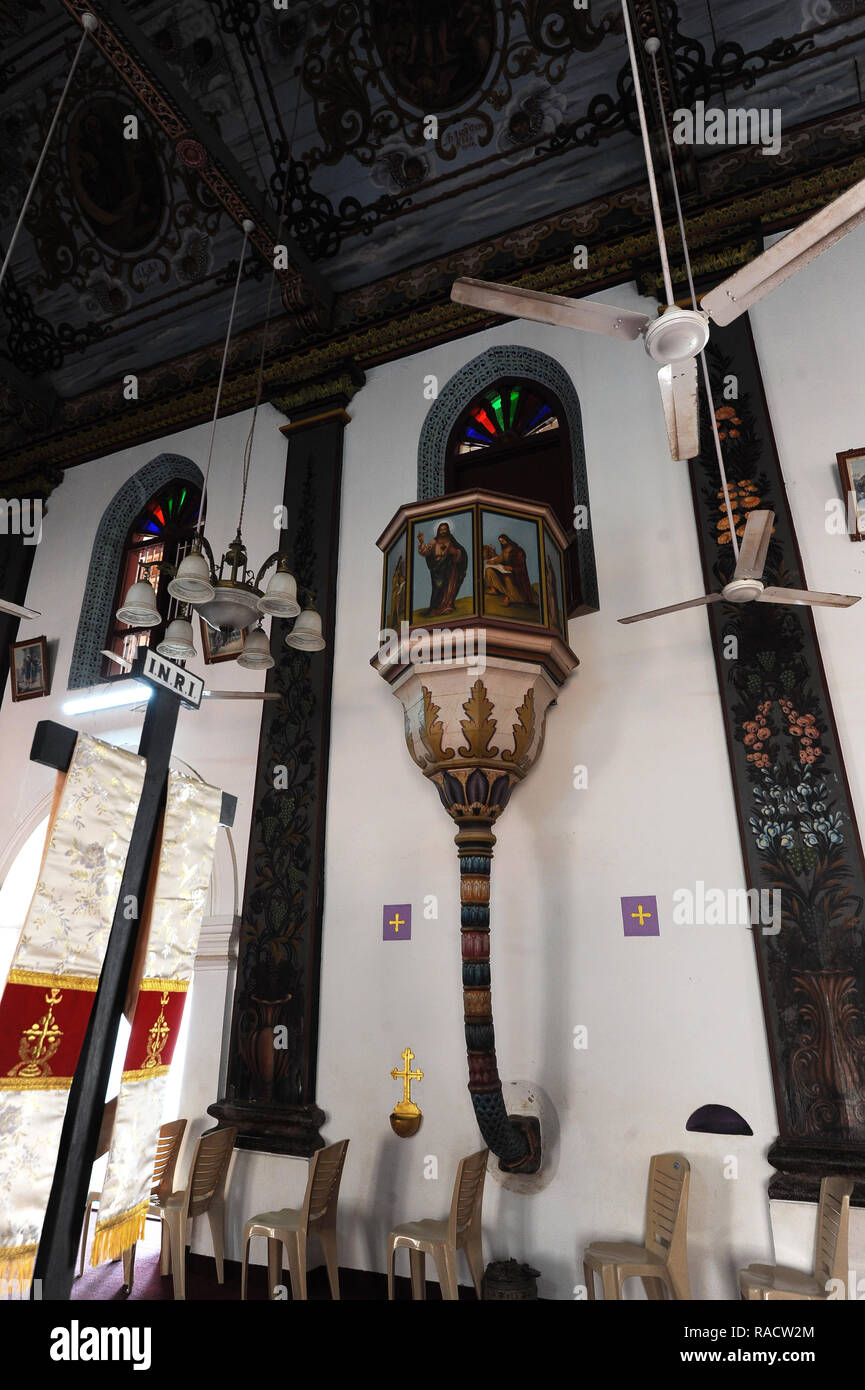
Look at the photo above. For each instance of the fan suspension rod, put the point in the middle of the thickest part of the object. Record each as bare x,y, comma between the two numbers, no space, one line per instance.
652,48
653,187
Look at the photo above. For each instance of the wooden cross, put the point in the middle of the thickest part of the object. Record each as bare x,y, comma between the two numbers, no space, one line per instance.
53,746
408,1076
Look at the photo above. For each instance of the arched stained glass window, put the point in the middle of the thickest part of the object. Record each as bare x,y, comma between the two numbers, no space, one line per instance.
162,532
514,411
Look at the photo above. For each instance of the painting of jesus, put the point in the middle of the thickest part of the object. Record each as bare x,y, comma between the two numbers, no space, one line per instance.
442,578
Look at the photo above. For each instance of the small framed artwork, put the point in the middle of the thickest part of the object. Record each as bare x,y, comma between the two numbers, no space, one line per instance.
852,469
28,663
220,644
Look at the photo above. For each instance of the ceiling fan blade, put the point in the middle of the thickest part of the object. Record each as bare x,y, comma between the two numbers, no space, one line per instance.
242,695
808,596
120,660
792,253
587,314
673,608
678,383
7,606
755,543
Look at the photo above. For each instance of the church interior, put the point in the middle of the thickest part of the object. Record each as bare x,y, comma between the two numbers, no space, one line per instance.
432,468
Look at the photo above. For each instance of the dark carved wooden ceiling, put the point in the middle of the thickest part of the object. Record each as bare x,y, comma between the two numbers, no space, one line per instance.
130,247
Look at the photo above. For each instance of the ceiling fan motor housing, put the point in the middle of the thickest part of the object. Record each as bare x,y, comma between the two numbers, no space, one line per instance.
742,590
677,335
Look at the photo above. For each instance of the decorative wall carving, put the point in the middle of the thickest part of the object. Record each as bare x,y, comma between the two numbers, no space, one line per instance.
797,822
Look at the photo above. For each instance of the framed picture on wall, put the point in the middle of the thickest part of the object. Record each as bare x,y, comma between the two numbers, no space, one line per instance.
852,468
28,664
220,644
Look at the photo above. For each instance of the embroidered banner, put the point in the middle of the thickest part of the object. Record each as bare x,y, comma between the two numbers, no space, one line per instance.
173,923
51,986
797,822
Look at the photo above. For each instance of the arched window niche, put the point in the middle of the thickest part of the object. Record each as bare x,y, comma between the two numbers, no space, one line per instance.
510,421
110,554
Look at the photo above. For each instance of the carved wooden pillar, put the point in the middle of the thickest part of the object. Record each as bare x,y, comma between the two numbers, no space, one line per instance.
796,818
270,1089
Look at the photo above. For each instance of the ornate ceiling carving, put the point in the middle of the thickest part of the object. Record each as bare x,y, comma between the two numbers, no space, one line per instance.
130,248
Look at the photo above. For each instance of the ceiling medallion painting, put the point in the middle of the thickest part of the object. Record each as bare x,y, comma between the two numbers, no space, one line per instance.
376,70
435,55
118,183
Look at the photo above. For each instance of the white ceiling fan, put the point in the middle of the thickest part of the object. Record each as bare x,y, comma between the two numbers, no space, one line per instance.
208,694
747,585
678,336
7,606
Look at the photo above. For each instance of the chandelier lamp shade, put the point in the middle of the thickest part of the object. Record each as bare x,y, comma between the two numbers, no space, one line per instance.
178,643
192,583
256,651
306,635
139,607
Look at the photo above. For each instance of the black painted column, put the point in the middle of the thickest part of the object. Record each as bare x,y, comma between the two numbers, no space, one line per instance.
797,823
270,1088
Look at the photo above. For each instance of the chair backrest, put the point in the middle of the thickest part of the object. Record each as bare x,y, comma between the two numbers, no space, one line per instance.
325,1175
209,1169
667,1204
833,1220
468,1194
167,1150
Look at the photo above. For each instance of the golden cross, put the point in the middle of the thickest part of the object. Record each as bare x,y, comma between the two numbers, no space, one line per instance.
156,1036
641,913
408,1076
396,922
46,1027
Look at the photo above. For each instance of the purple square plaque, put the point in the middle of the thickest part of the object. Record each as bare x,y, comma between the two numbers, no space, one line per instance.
396,922
640,916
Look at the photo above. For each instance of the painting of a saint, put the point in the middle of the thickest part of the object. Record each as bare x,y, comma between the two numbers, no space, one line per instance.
397,595
507,573
552,563
511,568
447,562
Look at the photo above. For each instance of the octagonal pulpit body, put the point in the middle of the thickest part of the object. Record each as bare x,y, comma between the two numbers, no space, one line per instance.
473,639
473,642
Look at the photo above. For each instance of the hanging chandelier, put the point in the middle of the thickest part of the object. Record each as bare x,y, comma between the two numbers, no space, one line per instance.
230,595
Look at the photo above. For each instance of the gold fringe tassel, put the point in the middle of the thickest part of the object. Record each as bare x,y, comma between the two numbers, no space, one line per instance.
16,1266
118,1234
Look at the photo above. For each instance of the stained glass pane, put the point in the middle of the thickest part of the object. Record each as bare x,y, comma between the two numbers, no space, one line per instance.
505,413
175,506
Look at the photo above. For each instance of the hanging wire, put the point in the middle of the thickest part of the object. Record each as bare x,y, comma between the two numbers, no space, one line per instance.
90,25
644,131
247,228
259,391
708,385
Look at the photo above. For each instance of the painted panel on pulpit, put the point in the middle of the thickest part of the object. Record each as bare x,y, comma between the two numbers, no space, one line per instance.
394,596
556,617
443,567
512,567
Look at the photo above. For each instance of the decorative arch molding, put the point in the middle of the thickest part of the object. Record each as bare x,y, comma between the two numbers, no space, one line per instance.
483,371
107,554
